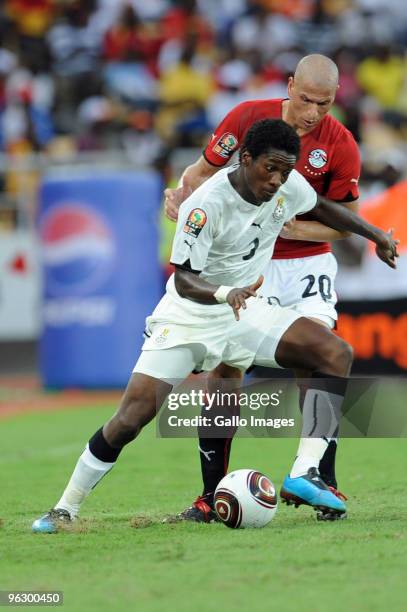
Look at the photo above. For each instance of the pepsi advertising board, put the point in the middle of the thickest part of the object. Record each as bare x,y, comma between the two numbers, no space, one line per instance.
101,275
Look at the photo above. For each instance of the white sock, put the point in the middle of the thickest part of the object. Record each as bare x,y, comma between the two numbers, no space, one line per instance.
87,473
310,453
320,420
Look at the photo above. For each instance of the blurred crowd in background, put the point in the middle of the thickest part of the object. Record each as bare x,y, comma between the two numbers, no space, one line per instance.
148,77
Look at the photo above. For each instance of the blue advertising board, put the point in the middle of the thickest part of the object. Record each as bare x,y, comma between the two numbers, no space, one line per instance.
101,274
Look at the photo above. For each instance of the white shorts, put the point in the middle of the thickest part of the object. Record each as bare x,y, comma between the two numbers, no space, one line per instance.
305,284
211,335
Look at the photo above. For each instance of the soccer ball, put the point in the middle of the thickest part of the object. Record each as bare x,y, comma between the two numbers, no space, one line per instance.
245,498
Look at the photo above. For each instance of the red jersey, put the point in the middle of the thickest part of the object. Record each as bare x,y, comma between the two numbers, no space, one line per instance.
329,160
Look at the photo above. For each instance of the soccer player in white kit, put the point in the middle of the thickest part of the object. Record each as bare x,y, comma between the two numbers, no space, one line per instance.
210,312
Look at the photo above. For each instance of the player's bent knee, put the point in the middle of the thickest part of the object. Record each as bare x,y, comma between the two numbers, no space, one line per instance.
347,355
336,357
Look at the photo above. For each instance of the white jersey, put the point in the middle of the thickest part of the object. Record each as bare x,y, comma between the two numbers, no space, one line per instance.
228,240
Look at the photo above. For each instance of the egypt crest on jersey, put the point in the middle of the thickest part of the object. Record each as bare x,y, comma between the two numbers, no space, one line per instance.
318,158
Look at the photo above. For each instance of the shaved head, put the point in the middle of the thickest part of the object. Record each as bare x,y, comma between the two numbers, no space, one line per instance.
311,92
318,71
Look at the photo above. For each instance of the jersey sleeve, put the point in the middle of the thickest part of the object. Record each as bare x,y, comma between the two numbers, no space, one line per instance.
194,234
226,138
306,196
345,172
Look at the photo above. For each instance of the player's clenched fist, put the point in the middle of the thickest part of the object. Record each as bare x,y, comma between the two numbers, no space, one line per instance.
236,298
174,198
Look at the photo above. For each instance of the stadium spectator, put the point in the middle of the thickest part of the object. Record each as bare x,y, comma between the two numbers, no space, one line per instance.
263,31
31,17
95,115
382,75
26,117
182,19
232,78
243,76
183,94
132,38
139,138
152,10
75,51
179,25
349,92
294,9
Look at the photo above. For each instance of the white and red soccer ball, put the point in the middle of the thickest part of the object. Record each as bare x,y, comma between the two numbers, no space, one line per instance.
245,498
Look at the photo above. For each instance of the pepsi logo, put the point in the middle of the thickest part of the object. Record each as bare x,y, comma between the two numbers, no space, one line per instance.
78,249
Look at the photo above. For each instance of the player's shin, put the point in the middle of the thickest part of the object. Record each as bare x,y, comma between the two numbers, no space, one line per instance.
214,455
327,463
214,451
96,461
321,414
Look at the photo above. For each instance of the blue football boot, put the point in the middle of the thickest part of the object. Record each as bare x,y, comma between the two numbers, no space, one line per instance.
311,490
51,521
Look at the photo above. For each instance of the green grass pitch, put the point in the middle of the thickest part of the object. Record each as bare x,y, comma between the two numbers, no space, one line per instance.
120,556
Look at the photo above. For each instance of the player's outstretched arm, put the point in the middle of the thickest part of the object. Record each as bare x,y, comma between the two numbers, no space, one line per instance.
314,231
193,176
343,219
192,287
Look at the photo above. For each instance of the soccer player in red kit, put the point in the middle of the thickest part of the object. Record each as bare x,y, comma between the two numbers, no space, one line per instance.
303,269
